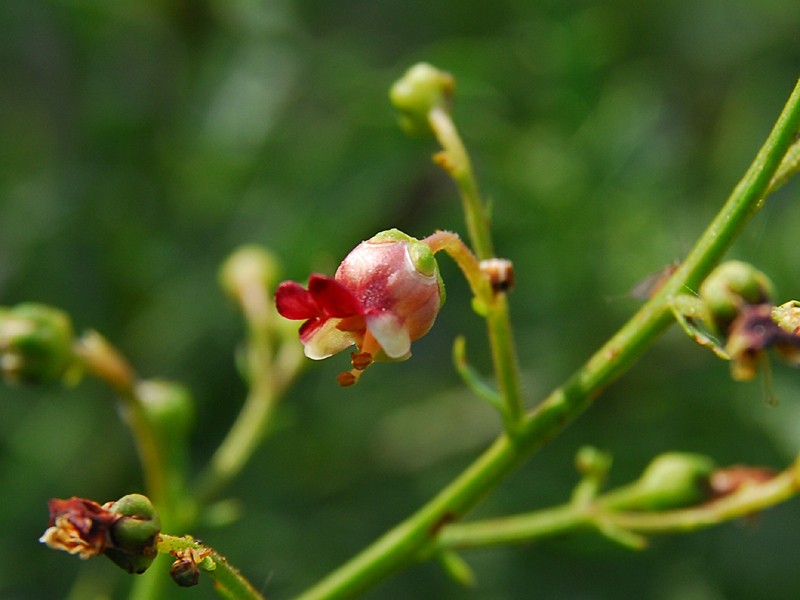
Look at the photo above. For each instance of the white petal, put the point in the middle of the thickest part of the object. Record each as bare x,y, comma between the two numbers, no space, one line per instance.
393,337
327,341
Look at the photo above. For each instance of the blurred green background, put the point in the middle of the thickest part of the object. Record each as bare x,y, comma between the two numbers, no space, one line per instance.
143,140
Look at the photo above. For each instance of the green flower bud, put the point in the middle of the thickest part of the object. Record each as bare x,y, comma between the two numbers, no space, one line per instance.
169,407
672,480
421,89
730,286
36,343
591,461
133,537
247,268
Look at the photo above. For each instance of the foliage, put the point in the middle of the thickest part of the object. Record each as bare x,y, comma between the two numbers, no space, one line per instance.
144,141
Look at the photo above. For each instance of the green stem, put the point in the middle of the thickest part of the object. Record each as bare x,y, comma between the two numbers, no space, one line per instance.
572,517
106,363
229,582
403,544
504,359
455,161
269,374
517,529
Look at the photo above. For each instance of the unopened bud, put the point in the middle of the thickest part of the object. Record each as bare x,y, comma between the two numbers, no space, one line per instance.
675,479
672,480
36,343
169,406
247,268
421,89
731,286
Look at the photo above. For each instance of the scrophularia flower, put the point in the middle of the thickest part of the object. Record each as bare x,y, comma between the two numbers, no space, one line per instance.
78,526
125,530
385,294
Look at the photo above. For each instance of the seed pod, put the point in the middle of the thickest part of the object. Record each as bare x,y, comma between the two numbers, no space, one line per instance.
185,572
133,537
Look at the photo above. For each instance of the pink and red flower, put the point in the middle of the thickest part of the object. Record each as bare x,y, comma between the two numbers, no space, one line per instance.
385,294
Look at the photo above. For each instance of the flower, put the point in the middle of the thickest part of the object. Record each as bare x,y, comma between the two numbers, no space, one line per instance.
78,526
385,294
124,530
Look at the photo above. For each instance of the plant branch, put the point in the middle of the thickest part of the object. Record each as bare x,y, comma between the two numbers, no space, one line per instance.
607,512
407,541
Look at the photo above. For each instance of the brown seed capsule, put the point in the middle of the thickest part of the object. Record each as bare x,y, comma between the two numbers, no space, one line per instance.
500,273
185,572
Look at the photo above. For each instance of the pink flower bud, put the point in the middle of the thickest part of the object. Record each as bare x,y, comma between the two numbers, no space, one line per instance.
385,294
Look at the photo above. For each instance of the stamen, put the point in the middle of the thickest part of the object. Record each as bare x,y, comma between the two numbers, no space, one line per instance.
347,378
361,360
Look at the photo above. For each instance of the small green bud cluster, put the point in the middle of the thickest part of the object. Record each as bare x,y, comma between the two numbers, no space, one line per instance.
36,344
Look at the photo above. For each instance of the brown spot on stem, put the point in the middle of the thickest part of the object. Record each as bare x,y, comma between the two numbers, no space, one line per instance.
445,519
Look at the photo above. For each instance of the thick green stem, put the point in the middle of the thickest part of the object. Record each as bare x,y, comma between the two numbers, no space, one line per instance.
407,541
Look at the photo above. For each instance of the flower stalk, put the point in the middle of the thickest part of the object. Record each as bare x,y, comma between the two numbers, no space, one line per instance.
248,276
610,512
229,582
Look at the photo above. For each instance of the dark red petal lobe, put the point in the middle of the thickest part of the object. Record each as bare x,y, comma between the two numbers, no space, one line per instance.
293,301
87,516
332,297
308,328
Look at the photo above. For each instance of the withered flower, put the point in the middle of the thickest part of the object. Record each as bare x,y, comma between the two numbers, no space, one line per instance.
125,530
78,526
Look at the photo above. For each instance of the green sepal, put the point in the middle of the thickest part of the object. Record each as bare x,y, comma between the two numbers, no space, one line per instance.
457,568
421,255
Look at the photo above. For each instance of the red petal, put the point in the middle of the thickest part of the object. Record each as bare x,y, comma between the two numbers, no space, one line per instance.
308,328
293,301
332,297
